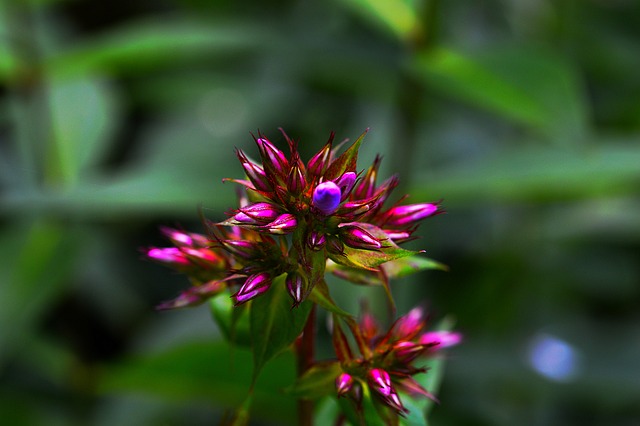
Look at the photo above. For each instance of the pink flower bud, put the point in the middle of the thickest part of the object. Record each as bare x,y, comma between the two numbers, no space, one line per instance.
345,183
272,157
326,197
367,186
240,248
296,181
319,162
380,382
406,351
316,240
402,216
438,340
255,173
254,286
344,383
284,224
177,237
257,213
356,237
295,287
408,326
172,256
205,257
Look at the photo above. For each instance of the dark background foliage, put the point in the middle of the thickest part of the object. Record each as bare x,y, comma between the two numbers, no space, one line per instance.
117,117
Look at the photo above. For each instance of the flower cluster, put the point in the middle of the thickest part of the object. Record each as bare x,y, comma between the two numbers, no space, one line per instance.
295,222
385,363
330,209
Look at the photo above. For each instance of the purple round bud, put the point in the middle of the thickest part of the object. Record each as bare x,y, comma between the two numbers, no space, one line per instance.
326,197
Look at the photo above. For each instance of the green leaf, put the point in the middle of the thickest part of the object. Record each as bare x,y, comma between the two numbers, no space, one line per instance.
527,85
397,16
209,371
409,265
320,295
232,320
347,161
371,259
37,258
318,381
142,45
274,324
84,116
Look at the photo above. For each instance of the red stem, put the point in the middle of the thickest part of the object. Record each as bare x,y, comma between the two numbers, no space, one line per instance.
305,350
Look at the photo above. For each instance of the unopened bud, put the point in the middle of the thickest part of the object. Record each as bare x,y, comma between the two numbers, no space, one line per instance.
358,238
254,286
344,383
326,197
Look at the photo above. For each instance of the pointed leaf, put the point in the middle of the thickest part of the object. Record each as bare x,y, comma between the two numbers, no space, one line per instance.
233,321
408,265
321,296
274,324
318,381
347,162
371,259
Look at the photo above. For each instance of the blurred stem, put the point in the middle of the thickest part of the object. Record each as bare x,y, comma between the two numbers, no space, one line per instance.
305,350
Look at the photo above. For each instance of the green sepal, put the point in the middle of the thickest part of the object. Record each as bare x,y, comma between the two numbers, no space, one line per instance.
274,324
316,382
232,321
347,162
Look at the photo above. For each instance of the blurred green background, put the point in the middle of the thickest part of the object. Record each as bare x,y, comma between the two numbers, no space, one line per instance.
117,117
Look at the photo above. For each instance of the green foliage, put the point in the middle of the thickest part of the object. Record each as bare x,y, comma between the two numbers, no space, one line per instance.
523,116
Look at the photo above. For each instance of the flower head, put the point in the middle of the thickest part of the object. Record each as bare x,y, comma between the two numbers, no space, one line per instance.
386,361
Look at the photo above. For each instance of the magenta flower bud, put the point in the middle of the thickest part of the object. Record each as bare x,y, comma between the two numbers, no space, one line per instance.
254,286
243,218
380,381
409,325
257,212
172,256
356,237
344,383
205,257
177,237
335,246
272,157
397,236
284,224
319,162
402,216
295,287
367,186
316,240
326,197
345,183
255,173
406,351
296,181
240,248
440,339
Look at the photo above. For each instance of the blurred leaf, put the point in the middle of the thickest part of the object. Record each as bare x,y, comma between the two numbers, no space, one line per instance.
606,170
529,86
398,16
320,295
318,381
211,371
84,115
233,321
274,323
142,45
409,265
36,259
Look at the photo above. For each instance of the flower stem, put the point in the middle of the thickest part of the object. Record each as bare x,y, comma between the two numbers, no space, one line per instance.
305,350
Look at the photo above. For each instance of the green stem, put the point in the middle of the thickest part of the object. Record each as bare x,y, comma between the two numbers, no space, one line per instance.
305,351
